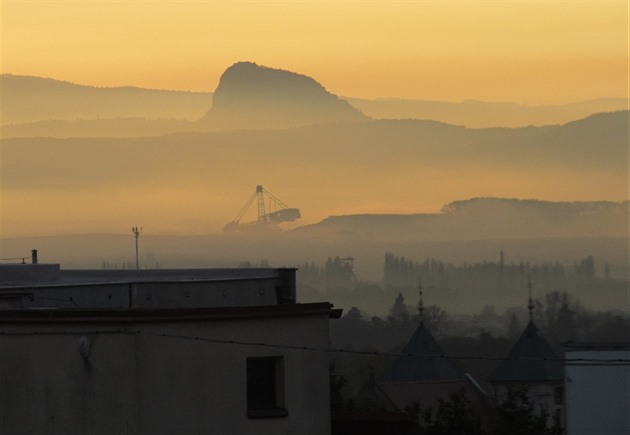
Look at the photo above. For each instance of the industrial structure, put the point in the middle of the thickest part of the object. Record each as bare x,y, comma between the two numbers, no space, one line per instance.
270,215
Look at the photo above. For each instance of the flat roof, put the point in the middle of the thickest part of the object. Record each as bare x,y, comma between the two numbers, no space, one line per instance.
164,315
66,277
596,346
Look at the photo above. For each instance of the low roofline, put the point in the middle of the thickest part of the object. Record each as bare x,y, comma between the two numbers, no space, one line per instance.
370,416
424,381
166,315
570,346
478,387
523,381
63,284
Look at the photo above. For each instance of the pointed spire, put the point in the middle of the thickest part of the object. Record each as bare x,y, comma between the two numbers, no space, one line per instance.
421,303
530,304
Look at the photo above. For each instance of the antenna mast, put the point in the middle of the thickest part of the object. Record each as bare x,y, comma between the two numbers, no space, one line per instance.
136,234
421,303
530,304
262,216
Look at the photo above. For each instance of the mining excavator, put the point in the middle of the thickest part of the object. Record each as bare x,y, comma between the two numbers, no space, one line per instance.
273,214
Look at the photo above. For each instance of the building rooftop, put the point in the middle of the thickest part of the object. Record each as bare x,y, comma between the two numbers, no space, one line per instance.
427,361
68,316
531,359
46,286
19,275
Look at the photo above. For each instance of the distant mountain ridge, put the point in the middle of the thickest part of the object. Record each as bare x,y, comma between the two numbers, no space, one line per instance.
484,218
371,167
27,99
483,114
253,96
249,97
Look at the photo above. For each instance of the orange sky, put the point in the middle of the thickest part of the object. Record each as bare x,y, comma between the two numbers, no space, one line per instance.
524,51
533,52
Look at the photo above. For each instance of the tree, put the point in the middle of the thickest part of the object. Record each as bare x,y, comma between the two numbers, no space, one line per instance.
514,327
586,267
559,315
436,319
354,314
399,310
451,417
517,416
337,382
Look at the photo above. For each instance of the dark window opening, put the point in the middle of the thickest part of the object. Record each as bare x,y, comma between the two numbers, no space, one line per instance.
265,388
558,394
557,420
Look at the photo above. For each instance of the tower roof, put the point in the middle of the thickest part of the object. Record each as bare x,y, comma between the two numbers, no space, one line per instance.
531,359
426,361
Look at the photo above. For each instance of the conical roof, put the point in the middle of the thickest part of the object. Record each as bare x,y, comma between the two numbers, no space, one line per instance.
426,361
531,359
373,398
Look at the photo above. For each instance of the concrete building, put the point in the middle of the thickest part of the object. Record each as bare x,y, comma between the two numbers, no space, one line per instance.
597,388
161,352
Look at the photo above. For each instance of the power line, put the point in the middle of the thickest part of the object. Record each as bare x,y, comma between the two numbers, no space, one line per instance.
569,361
16,258
387,354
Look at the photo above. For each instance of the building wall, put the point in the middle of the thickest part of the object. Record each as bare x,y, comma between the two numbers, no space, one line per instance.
153,289
68,379
598,394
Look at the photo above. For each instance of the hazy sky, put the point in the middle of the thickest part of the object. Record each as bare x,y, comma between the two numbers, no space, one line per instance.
524,51
532,52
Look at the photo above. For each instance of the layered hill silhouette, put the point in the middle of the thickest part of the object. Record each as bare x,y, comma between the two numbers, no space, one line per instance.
483,114
249,96
334,169
28,99
482,219
253,96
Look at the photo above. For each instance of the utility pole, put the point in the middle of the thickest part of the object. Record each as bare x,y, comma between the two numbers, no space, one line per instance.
136,233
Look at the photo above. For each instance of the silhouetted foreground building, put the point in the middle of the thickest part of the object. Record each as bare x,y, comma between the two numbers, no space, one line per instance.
419,379
161,352
533,367
597,388
427,376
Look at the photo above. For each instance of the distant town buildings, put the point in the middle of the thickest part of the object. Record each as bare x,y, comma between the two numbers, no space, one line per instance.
533,389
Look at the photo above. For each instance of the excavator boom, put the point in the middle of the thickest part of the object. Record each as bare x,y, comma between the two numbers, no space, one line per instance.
277,212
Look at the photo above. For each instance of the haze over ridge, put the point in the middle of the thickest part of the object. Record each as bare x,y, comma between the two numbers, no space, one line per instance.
402,166
35,106
533,52
320,144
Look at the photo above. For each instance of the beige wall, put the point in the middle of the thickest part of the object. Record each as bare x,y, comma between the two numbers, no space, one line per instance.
147,384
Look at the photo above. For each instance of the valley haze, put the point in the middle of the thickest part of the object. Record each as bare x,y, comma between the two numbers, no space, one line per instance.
368,176
413,176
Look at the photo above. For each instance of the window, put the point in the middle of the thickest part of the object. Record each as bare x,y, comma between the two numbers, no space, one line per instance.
265,387
558,394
